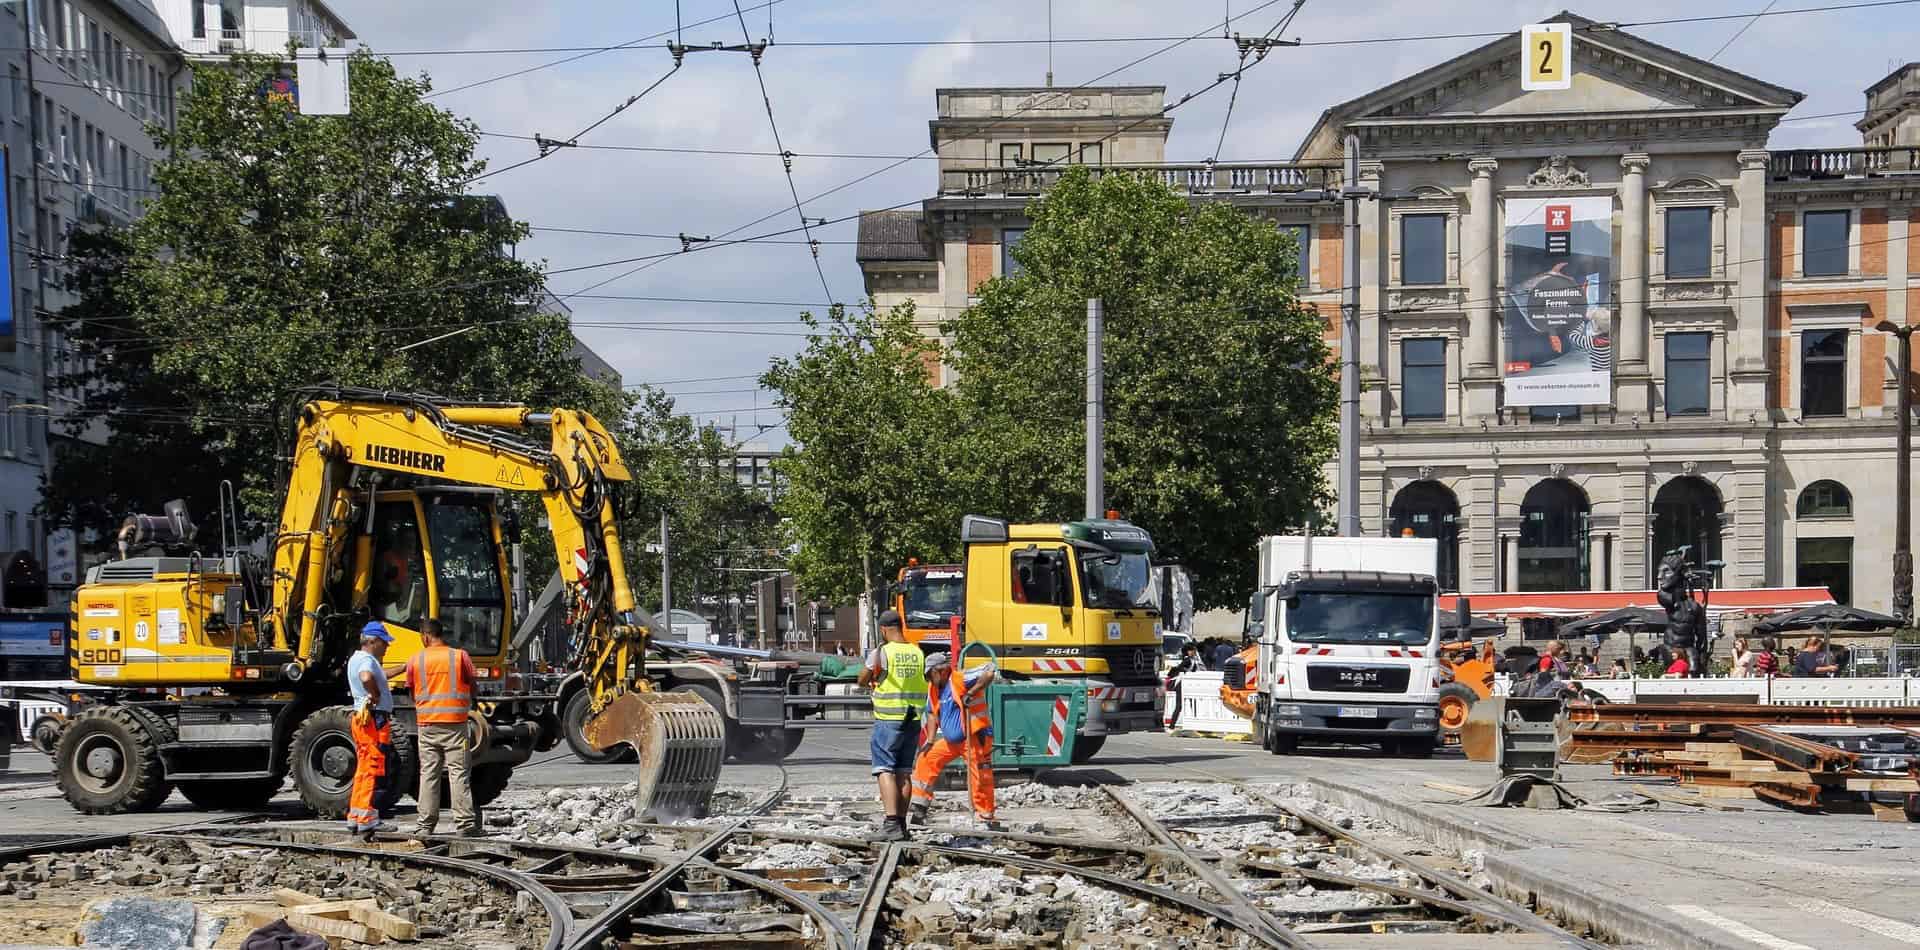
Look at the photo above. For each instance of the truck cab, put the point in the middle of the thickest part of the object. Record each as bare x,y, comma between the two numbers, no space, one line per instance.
928,597
1072,602
1348,632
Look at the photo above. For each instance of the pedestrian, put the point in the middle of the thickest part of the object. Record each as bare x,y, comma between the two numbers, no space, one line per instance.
958,727
1765,661
373,793
441,677
1679,668
896,673
1743,658
1815,659
1620,671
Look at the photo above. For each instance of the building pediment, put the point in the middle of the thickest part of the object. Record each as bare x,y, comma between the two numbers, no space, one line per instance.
1617,78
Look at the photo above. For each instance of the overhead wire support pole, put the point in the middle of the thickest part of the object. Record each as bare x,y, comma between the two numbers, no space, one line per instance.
1348,506
1096,410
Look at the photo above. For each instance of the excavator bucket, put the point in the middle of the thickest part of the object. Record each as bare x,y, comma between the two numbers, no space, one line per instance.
681,741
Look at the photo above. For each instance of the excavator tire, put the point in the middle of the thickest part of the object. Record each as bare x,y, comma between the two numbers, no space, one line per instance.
682,740
107,761
322,760
246,794
573,719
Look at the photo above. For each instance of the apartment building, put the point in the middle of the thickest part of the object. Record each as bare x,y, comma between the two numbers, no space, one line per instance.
1598,324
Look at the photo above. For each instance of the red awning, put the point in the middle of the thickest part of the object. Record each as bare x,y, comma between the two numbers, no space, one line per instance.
1758,602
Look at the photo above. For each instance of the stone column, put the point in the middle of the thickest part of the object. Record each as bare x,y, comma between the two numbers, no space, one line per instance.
1633,382
1480,241
1748,376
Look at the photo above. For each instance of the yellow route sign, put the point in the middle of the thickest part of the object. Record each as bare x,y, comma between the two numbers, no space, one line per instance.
1546,56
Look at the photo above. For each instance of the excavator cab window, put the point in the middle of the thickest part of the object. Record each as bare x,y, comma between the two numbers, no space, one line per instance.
399,593
466,561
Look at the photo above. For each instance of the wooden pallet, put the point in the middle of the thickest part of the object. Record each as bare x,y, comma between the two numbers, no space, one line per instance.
1725,770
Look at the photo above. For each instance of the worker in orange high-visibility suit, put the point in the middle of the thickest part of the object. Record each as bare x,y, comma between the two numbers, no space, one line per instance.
957,725
441,677
372,727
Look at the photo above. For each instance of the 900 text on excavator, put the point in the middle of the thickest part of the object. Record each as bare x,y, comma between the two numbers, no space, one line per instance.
406,529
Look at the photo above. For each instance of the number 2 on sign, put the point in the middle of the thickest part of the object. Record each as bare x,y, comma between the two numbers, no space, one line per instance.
1546,57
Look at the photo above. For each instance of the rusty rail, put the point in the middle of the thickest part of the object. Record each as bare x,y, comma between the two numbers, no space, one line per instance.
1794,751
1744,714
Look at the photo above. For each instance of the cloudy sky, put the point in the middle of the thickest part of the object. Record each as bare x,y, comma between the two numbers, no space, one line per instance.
876,101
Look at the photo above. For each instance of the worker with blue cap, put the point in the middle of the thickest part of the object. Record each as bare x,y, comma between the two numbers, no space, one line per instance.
374,791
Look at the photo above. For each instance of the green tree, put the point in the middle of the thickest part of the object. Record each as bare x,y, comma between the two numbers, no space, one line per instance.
283,251
867,483
1220,393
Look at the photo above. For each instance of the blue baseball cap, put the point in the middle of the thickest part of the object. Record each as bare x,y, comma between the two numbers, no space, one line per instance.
377,630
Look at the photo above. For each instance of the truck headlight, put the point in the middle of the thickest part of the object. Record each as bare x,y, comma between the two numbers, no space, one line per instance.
1425,712
1291,712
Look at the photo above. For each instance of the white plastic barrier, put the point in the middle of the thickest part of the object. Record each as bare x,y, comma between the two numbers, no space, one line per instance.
1201,709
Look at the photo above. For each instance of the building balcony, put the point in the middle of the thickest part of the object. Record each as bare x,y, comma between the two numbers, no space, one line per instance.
1823,164
1192,179
272,42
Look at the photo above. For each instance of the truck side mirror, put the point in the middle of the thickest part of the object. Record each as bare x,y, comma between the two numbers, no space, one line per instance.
1062,583
1463,617
1256,631
236,607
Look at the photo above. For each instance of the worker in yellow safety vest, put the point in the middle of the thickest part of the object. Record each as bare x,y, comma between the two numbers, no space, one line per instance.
896,672
958,725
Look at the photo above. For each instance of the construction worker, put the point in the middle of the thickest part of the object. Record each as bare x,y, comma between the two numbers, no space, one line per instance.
372,727
896,672
958,725
441,677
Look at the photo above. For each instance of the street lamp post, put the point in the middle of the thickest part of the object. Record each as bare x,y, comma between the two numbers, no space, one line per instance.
1902,473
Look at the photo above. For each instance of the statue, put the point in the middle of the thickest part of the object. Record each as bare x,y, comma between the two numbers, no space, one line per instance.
1686,617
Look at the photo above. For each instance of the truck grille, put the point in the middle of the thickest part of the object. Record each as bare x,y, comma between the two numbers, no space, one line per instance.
1357,679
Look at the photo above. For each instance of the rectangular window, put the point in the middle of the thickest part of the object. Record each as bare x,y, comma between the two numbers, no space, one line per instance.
1302,240
1423,378
1051,153
1010,154
17,93
1826,562
199,18
1090,153
1689,242
1010,239
1823,373
1423,249
1689,371
1823,250
1551,414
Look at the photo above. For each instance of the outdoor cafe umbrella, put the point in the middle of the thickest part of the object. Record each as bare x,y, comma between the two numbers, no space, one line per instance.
1481,627
1629,619
1825,617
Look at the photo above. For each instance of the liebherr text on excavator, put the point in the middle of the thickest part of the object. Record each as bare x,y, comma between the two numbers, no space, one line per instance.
391,513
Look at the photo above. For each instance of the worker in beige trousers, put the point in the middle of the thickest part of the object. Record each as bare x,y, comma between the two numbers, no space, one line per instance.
441,677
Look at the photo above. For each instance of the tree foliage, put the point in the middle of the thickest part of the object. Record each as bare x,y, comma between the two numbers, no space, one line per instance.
869,486
283,251
1219,395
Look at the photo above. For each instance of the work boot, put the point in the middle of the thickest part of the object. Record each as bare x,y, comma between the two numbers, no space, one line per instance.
893,828
919,813
992,824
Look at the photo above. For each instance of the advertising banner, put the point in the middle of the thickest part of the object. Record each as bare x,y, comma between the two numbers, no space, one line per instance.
1558,324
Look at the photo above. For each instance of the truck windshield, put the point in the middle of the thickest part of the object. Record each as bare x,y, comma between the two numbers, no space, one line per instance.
1350,617
932,598
1116,581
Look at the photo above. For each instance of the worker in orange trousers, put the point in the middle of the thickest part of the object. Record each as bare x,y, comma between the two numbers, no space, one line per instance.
372,728
957,725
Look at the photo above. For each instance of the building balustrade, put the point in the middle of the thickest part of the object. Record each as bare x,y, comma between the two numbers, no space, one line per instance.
1815,164
1192,179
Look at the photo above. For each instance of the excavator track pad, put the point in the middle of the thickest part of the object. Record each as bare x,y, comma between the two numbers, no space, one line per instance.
681,741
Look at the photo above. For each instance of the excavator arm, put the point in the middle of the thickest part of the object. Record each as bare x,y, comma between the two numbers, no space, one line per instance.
349,445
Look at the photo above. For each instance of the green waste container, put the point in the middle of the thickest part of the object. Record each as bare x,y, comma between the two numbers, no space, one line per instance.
1033,723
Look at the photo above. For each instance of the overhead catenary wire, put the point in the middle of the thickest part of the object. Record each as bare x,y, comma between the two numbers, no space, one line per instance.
786,158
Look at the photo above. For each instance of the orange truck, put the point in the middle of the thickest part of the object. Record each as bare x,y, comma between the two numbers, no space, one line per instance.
928,597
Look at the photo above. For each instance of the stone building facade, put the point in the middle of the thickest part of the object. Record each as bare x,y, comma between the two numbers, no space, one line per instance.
1742,396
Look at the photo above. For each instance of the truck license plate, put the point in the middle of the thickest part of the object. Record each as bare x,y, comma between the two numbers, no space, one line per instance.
1358,712
1141,696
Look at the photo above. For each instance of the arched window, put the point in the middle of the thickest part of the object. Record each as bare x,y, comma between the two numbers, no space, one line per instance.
1826,499
1553,537
1686,513
1427,509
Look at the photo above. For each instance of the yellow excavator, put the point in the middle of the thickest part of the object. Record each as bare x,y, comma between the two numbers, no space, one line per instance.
229,670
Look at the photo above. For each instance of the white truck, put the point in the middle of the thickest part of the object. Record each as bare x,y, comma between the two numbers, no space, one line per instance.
1349,632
